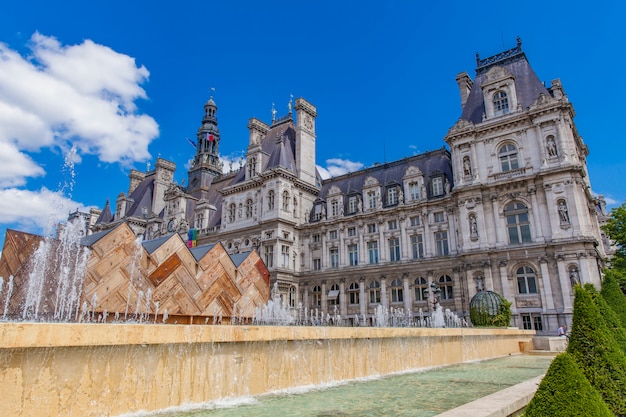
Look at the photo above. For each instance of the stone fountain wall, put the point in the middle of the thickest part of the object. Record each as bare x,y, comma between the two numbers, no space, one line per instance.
69,369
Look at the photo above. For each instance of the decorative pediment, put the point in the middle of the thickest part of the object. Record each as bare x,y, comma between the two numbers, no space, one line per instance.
334,190
370,182
413,171
497,73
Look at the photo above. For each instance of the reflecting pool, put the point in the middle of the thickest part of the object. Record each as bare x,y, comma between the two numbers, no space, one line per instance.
418,394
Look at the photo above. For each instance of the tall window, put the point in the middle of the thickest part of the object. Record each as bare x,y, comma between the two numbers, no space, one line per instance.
334,258
284,256
417,246
439,217
333,295
317,238
352,204
437,186
530,320
231,212
374,292
441,243
372,250
270,200
394,249
332,235
500,103
351,231
199,221
353,253
392,224
317,212
292,296
392,196
248,208
526,280
517,223
372,200
316,296
286,201
420,286
447,289
317,264
414,191
415,221
353,293
269,256
508,157
371,228
252,167
396,291
334,208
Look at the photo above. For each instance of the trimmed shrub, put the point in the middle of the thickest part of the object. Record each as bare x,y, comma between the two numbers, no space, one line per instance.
597,353
608,315
613,295
565,392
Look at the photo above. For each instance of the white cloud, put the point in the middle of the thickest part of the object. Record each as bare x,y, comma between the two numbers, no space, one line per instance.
336,167
35,210
65,97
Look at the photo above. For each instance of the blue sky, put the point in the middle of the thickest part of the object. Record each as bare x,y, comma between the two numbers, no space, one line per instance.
124,82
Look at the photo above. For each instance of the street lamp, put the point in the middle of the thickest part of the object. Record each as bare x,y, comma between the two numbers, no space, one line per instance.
435,291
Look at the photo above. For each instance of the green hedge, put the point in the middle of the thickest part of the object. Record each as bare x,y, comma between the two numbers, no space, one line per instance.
565,392
597,353
607,314
613,295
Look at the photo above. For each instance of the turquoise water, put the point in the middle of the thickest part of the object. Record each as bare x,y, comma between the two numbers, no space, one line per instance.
420,394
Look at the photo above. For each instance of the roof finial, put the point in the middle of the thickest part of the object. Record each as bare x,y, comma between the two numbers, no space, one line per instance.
211,92
273,113
519,42
477,60
290,102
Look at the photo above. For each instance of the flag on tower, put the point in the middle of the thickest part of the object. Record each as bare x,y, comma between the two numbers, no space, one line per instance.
192,142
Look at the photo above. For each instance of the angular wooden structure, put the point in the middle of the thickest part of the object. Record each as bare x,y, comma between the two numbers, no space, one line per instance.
133,280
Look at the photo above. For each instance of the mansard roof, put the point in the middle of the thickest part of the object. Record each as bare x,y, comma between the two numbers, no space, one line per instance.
280,144
105,216
528,87
431,164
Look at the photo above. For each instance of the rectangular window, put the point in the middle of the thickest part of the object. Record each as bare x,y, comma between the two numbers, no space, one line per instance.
334,258
415,221
333,234
317,264
393,224
526,323
353,252
316,238
526,284
352,204
372,200
394,249
269,256
441,243
414,191
284,256
334,207
417,246
372,249
392,196
351,231
437,185
371,228
439,217
317,212
537,323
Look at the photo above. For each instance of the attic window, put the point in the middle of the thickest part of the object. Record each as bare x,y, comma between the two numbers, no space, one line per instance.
500,103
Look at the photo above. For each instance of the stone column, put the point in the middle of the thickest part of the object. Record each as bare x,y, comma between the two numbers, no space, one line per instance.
566,287
546,290
343,307
507,291
362,300
324,306
408,297
383,291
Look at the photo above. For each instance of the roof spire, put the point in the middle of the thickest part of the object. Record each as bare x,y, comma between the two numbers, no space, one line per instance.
290,102
273,113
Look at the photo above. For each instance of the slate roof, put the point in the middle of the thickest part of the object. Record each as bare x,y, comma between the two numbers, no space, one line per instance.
238,258
105,216
152,245
528,87
91,239
199,251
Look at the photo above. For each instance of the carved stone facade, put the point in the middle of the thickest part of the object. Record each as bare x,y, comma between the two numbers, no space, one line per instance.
508,208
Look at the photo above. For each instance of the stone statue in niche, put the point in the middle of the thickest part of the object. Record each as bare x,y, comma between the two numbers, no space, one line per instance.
551,146
473,227
574,277
563,212
447,186
467,166
480,286
401,197
359,205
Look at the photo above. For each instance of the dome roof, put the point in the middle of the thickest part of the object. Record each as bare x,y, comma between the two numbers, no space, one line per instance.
487,301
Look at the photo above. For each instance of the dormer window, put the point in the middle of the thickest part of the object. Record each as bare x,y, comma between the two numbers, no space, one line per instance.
500,103
437,186
392,196
508,157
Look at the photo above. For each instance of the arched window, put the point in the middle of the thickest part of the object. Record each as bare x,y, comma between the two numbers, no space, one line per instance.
446,286
333,295
270,200
517,223
374,292
526,280
248,208
420,286
508,157
396,291
231,212
353,293
500,103
292,296
286,200
316,296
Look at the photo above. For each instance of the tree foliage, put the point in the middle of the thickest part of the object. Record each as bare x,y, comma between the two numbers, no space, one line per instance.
613,295
597,353
608,316
615,228
566,392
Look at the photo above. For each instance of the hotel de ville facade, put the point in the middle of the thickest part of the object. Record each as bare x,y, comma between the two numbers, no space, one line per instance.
508,208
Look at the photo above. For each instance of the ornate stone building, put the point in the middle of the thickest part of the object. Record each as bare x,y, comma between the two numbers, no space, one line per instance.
508,208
